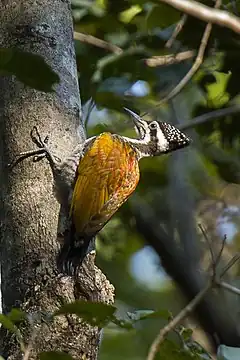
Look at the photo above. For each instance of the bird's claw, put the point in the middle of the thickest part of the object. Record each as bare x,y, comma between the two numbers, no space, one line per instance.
38,154
42,144
36,138
39,157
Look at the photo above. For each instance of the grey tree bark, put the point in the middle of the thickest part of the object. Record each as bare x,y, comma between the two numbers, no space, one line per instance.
29,210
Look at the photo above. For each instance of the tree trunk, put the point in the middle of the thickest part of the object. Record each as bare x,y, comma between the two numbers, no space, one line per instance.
29,210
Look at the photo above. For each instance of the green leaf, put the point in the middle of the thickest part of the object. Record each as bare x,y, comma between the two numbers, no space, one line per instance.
149,314
54,355
9,325
217,95
186,333
163,314
127,325
29,68
162,16
16,315
127,15
172,350
94,313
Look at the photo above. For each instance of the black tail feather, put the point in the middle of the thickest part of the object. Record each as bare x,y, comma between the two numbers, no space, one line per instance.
73,252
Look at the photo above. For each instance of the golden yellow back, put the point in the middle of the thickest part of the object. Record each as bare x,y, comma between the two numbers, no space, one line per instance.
107,175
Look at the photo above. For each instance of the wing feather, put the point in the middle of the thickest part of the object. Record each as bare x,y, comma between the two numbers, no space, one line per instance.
107,175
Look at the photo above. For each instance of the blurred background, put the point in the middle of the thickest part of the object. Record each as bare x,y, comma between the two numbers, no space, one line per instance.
153,251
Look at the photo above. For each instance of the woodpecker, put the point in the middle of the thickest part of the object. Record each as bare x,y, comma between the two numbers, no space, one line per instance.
99,177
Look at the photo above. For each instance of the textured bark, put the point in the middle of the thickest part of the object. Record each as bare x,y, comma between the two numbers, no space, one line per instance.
29,210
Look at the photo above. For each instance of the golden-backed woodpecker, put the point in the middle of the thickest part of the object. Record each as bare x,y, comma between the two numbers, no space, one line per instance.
99,177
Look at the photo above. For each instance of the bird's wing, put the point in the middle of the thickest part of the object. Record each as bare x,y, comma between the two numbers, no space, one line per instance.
107,175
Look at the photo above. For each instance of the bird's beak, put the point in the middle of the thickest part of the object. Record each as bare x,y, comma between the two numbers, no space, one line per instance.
138,121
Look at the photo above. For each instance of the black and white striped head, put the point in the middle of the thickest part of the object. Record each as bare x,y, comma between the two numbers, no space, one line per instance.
157,137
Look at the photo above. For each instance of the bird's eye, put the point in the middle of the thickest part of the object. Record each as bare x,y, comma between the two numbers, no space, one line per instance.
153,125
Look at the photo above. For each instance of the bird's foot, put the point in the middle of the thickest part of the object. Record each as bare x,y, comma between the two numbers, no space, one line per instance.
42,151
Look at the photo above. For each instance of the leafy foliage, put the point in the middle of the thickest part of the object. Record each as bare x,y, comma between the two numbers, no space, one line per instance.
141,28
100,314
96,314
8,322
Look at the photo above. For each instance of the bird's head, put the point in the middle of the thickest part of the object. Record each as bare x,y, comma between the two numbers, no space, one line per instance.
157,137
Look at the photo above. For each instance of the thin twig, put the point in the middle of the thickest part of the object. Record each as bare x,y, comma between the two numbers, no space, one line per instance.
177,30
210,117
92,40
221,250
190,7
205,235
170,59
176,320
215,259
213,282
229,287
152,61
197,63
205,13
230,264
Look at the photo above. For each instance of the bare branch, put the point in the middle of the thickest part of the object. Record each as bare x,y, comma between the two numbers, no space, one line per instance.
210,116
196,65
205,13
215,259
230,264
92,40
229,287
176,31
176,320
155,61
152,61
221,250
205,235
213,282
